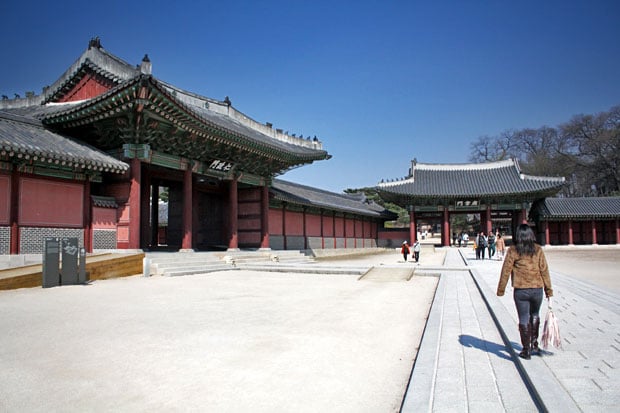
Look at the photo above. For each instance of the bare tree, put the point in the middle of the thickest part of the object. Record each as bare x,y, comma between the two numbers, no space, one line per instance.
592,145
585,150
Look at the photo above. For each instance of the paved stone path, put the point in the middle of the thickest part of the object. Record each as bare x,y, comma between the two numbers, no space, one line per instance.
464,365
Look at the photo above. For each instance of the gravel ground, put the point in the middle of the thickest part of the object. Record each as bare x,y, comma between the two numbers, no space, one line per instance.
222,342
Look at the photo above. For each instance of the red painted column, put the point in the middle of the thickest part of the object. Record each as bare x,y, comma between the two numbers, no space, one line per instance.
304,225
617,231
547,235
87,218
233,240
445,233
344,229
489,227
594,240
570,232
264,242
363,233
154,214
187,209
334,227
524,216
134,204
322,233
284,244
413,233
354,233
14,213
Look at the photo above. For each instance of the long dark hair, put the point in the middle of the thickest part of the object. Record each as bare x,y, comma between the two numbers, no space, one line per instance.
525,240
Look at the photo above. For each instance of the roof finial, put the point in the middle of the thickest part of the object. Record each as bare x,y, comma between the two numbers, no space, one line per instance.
146,67
94,42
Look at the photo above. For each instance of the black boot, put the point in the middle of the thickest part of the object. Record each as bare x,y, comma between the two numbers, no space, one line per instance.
525,331
535,322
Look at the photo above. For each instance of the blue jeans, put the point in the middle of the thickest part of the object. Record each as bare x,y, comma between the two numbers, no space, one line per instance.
528,302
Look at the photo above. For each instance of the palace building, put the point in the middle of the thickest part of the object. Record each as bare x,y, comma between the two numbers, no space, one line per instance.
120,159
94,153
499,193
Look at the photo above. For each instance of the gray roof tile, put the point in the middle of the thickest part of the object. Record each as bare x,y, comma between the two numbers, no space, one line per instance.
578,208
26,137
466,180
308,196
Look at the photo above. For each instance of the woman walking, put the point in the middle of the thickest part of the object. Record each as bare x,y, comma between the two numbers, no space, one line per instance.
405,250
527,264
501,246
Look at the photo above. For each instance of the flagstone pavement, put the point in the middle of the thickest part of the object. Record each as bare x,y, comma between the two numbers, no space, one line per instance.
468,360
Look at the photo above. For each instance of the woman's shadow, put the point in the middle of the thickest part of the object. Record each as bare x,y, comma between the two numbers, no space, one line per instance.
499,350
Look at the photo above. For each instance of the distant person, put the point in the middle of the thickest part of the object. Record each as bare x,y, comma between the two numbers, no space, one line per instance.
491,245
454,236
405,250
526,265
416,250
465,239
501,246
481,245
460,238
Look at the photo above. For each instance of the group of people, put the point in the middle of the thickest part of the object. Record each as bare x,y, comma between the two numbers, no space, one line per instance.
462,238
492,243
405,250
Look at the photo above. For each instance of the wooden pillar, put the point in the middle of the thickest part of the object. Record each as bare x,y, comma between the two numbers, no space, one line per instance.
354,233
188,200
304,227
489,221
445,233
134,204
14,212
87,217
547,235
322,233
570,232
284,244
524,216
363,233
344,229
594,238
617,231
233,217
334,226
413,234
264,241
154,214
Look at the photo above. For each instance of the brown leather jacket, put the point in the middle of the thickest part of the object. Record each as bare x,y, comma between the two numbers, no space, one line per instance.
527,272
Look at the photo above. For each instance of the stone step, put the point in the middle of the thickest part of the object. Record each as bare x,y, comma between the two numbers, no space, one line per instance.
176,272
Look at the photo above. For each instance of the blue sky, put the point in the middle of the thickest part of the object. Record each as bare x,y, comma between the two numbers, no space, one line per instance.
379,82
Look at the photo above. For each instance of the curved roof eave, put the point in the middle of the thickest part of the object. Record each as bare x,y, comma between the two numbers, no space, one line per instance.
494,179
28,137
313,197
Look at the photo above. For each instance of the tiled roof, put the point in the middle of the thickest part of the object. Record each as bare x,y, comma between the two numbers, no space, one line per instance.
577,208
104,201
308,196
22,137
213,112
208,110
501,178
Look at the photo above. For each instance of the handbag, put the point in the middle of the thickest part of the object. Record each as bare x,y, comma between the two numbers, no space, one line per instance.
551,330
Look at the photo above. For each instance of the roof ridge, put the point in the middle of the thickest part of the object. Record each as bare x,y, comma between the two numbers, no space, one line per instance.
465,166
